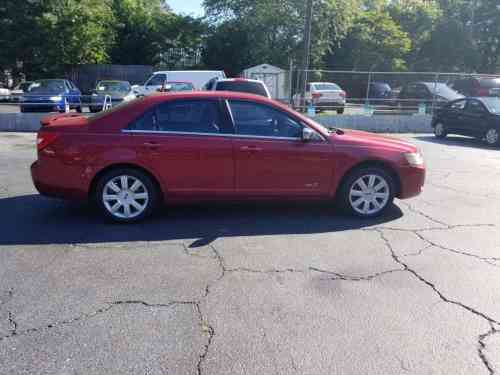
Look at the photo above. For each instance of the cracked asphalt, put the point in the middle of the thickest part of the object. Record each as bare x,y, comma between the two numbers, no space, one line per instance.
255,288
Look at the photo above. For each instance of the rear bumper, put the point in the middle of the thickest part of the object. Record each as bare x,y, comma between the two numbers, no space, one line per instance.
54,179
412,182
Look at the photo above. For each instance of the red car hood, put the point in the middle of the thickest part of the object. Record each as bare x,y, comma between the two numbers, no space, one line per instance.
366,139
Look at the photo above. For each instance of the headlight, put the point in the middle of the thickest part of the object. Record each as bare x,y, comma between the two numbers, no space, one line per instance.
56,98
128,97
94,94
415,159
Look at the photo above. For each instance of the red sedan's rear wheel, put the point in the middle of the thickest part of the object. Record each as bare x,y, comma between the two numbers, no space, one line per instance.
367,192
126,195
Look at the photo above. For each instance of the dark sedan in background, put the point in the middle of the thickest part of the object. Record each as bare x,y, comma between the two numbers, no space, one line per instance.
475,117
110,93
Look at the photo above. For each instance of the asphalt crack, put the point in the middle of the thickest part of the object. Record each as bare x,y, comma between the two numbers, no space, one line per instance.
339,276
482,347
492,322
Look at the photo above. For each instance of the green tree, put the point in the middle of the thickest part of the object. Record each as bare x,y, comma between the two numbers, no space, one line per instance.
274,29
375,42
75,32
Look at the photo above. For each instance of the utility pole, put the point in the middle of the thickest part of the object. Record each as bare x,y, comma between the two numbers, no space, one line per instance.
307,44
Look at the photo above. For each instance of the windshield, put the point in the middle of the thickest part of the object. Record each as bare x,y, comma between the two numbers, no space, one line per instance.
115,86
493,105
50,86
256,88
326,86
180,86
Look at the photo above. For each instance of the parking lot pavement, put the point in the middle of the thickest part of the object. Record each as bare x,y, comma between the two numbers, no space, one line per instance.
255,289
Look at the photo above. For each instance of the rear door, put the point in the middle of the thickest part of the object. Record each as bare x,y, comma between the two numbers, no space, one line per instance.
189,145
270,157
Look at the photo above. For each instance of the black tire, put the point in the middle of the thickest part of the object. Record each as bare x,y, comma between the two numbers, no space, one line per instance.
340,111
344,198
23,110
440,130
150,188
79,109
94,109
492,137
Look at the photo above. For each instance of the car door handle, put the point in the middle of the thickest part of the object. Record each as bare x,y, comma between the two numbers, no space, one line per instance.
250,148
152,145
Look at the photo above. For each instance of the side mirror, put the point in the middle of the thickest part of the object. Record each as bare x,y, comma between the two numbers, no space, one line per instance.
307,134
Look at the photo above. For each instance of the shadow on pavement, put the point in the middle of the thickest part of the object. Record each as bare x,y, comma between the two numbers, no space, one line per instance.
455,141
36,220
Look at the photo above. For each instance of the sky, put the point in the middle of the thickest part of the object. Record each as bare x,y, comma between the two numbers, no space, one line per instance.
186,6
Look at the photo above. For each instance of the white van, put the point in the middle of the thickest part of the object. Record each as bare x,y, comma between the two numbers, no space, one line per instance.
198,78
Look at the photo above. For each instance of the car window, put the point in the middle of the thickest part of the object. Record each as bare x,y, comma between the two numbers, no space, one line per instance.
157,80
190,116
493,104
326,86
147,122
458,105
474,106
490,83
256,88
263,121
210,84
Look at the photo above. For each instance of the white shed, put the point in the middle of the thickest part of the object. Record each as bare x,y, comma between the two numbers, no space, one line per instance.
276,79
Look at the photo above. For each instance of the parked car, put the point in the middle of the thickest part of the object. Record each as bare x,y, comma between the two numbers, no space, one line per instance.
4,94
217,146
477,86
52,95
475,117
323,95
376,92
250,86
177,86
19,90
116,91
416,93
158,80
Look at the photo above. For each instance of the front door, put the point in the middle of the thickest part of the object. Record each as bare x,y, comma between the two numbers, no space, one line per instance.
270,157
475,119
187,143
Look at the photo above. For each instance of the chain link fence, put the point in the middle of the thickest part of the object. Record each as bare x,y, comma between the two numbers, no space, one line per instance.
370,93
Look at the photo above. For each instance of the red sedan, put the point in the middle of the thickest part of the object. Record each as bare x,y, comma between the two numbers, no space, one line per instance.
217,146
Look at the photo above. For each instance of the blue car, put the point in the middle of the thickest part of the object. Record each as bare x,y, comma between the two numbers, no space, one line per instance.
51,95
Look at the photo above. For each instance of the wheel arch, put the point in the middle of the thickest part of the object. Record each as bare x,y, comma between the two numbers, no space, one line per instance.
111,167
370,164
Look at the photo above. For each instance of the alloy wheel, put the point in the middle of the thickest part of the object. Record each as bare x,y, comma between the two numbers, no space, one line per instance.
492,136
369,194
125,197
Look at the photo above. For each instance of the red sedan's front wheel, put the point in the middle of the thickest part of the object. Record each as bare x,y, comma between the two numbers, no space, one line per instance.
367,192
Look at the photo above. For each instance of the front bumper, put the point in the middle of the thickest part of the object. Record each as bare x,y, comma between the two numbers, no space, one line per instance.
412,180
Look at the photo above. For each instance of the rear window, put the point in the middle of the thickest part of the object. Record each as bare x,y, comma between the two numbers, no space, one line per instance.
490,83
326,86
256,88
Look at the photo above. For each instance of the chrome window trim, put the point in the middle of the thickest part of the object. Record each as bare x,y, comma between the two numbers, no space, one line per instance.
216,135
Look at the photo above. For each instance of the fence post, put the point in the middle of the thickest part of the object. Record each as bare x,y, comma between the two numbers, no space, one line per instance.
290,83
367,102
436,79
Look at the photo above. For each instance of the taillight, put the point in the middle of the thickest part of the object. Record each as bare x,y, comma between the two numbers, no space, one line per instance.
342,94
316,95
45,139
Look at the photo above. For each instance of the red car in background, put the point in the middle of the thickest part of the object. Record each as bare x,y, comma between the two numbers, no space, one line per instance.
217,146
